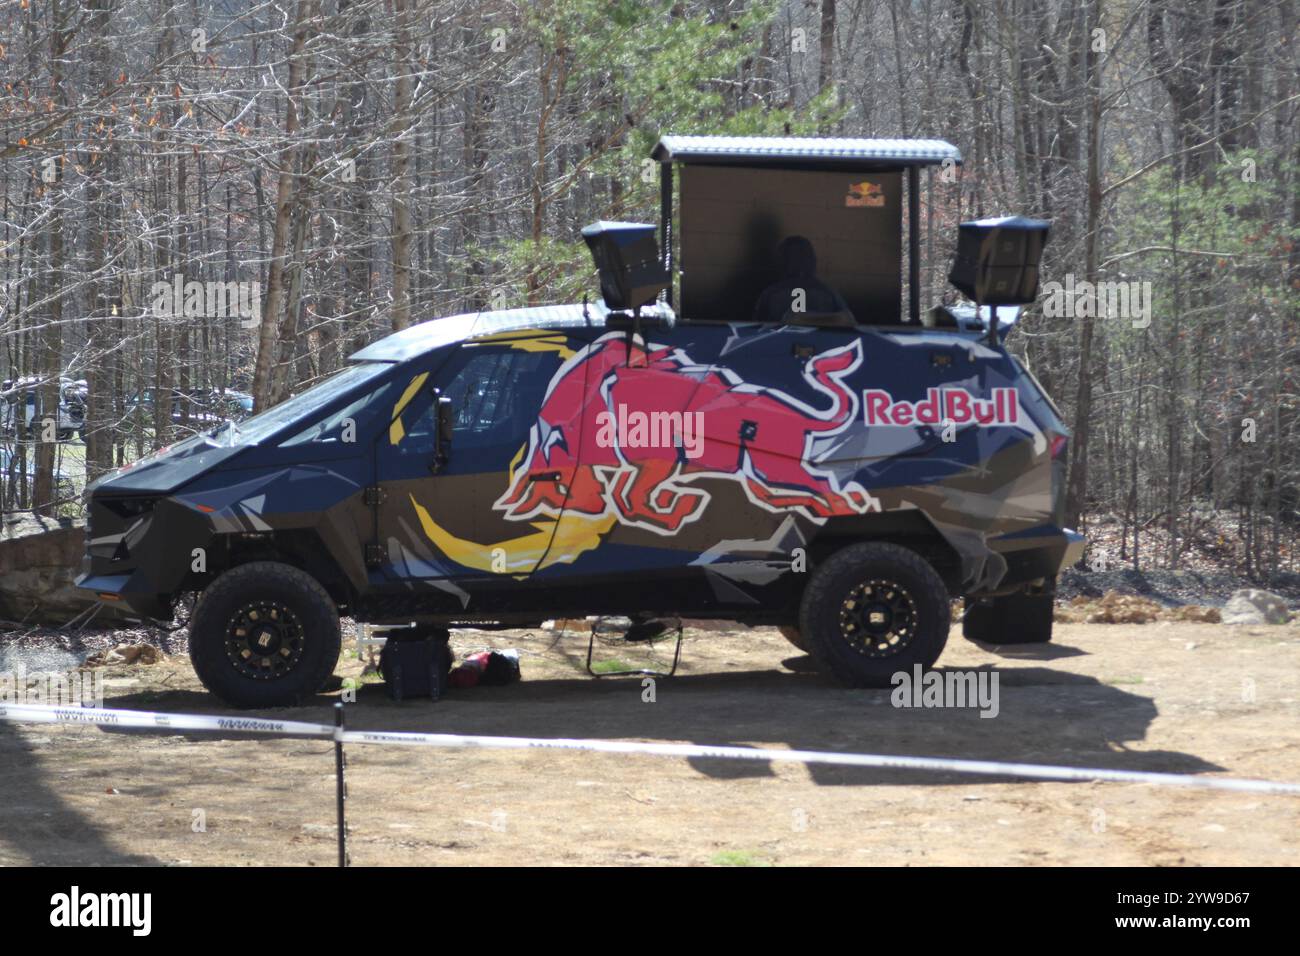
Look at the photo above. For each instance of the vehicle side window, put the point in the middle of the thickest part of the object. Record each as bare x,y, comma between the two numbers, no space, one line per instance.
333,428
495,395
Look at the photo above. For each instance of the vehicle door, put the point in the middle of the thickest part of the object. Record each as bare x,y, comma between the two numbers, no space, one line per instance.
458,431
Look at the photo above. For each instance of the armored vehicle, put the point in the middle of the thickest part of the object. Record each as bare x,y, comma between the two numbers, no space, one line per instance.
750,424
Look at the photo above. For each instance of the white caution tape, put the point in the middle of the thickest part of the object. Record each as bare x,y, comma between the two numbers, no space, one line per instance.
104,717
942,764
155,721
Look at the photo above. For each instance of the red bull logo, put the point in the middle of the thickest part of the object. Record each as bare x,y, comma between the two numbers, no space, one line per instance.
941,406
865,193
758,436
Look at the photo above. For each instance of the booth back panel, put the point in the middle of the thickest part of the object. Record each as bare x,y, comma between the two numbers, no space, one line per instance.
732,219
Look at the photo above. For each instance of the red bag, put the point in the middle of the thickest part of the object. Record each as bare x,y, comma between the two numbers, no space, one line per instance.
489,668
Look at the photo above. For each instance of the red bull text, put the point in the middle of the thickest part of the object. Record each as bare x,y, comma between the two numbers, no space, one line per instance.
940,406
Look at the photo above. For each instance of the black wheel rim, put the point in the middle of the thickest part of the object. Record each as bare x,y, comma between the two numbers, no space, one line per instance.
878,618
264,640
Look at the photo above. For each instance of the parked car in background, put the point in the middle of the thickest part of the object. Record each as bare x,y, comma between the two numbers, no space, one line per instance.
236,406
197,409
19,403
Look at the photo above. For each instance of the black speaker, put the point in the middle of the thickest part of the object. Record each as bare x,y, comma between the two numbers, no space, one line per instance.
997,259
627,258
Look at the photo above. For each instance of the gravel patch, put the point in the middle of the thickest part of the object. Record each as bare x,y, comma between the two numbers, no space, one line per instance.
1172,588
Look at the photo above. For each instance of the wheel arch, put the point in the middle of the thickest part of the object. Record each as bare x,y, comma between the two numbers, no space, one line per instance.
909,528
299,548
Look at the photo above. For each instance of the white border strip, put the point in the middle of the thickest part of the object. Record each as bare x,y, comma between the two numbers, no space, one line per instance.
288,728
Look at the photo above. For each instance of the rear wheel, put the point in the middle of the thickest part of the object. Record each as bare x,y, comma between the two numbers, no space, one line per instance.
264,634
872,610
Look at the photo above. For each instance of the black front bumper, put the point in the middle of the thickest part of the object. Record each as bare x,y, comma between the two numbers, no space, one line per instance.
141,561
117,591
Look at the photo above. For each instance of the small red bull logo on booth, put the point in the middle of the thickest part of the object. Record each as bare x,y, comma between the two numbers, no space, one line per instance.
865,193
942,405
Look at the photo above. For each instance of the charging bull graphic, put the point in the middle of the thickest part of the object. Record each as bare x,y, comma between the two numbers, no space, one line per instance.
624,434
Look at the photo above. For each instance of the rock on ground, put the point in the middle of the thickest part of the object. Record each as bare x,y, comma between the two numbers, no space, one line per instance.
1253,606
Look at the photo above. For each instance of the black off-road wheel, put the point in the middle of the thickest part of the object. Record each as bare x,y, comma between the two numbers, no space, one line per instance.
872,610
264,634
1011,619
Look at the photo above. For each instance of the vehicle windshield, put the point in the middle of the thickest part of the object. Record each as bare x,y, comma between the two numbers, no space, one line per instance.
254,429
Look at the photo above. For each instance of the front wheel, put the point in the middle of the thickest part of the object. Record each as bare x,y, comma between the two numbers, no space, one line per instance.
264,634
872,610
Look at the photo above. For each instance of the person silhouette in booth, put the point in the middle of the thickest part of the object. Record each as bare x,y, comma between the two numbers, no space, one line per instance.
798,261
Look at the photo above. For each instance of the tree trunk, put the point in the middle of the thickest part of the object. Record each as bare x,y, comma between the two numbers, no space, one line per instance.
267,345
403,66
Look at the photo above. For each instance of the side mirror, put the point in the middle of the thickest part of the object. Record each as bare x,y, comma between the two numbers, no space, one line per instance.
446,420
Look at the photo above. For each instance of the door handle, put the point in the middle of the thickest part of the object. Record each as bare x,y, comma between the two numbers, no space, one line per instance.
545,476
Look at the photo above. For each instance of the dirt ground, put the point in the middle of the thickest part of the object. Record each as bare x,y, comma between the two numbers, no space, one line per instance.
1183,698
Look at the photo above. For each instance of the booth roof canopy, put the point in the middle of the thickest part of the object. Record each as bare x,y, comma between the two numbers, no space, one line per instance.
805,152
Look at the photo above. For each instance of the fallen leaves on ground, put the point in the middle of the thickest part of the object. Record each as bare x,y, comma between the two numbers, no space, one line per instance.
126,654
1116,608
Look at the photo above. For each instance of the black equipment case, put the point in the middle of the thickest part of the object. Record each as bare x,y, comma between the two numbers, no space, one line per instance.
414,664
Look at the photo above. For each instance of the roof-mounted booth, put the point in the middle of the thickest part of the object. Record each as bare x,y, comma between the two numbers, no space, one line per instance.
739,197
